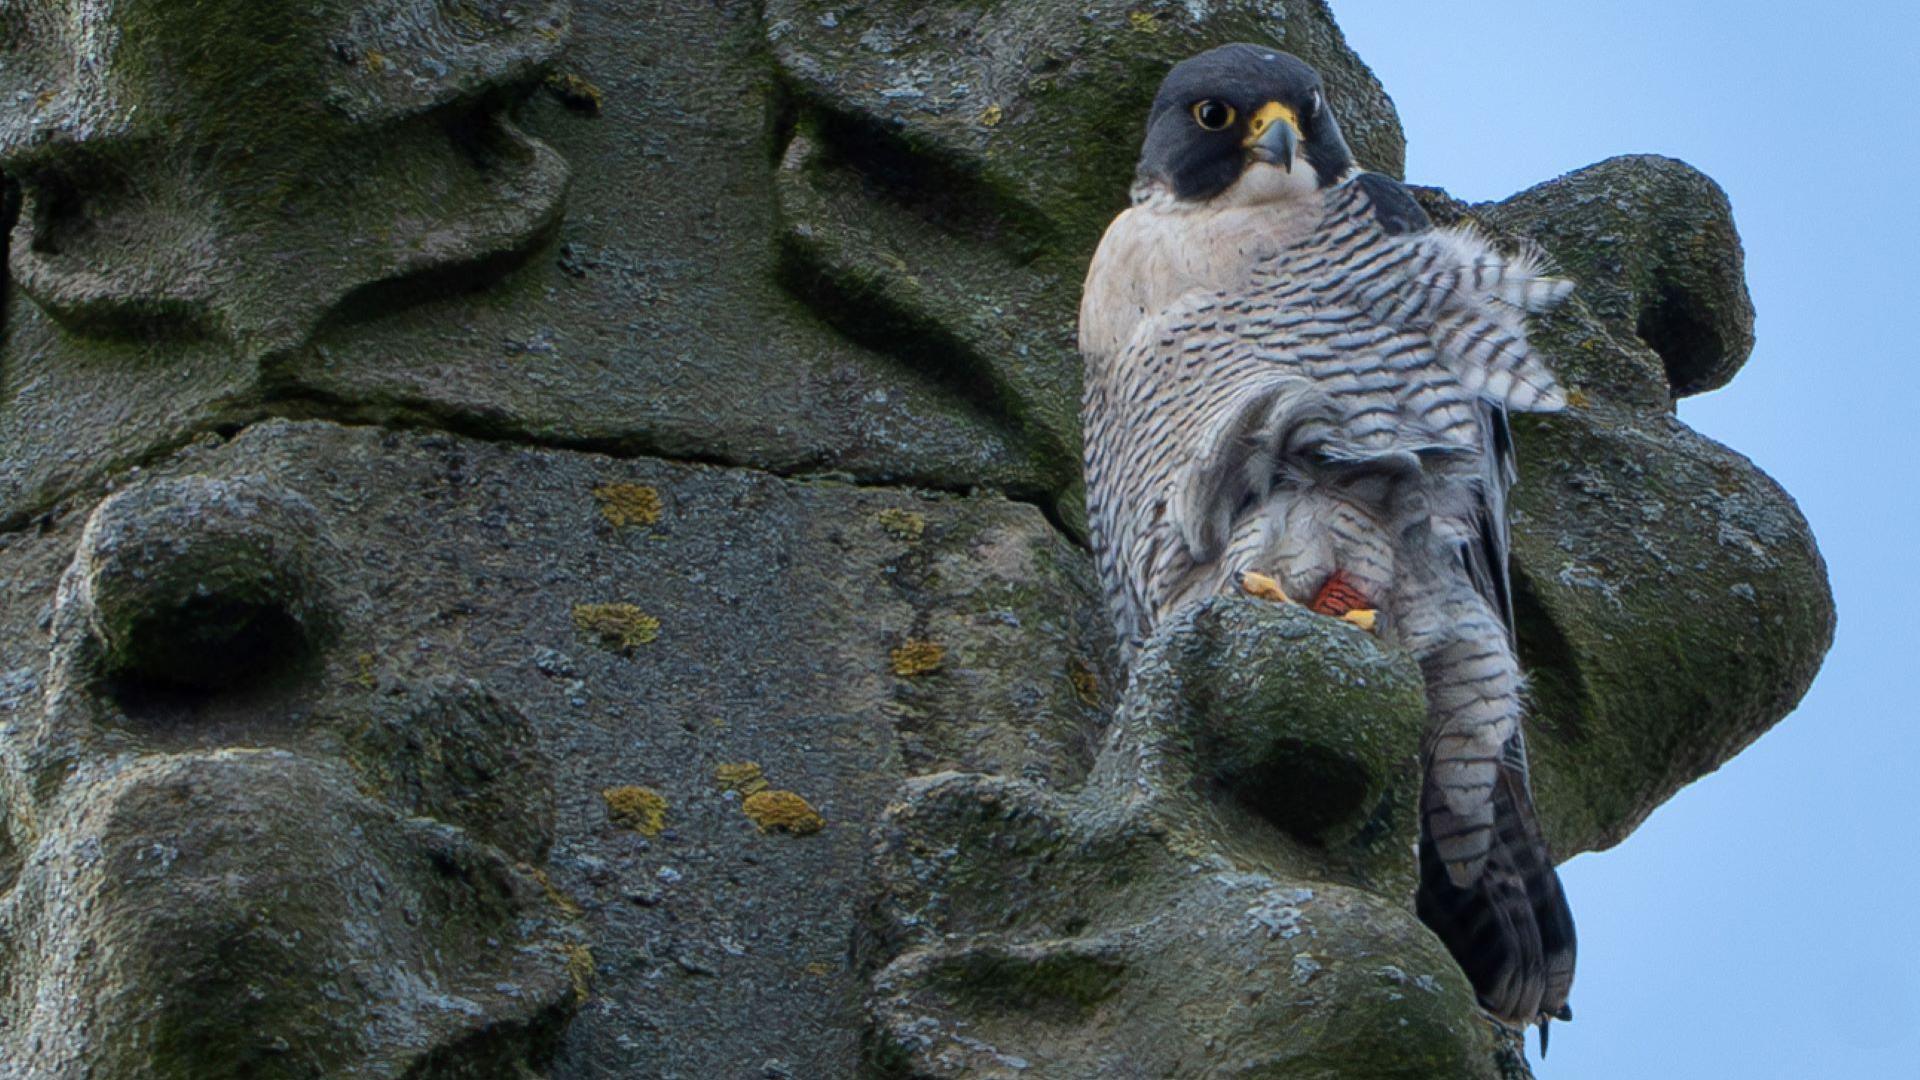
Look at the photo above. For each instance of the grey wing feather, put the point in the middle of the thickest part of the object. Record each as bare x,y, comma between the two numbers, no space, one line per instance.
1488,561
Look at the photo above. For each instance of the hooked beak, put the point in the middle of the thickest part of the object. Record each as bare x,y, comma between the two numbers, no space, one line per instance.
1273,134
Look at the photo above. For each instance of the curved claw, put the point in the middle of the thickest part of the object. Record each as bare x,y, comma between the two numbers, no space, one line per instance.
1259,585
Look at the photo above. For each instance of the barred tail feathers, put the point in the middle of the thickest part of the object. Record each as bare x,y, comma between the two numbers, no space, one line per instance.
1509,926
1473,704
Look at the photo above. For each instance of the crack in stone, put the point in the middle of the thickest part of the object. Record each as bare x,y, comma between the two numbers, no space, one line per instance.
421,418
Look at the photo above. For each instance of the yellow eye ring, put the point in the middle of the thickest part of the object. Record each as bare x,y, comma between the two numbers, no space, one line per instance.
1213,115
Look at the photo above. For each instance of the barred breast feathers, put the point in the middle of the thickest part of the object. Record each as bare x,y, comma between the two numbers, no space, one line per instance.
1451,284
1161,261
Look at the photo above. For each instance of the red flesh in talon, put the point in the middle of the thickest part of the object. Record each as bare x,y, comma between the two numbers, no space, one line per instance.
1339,596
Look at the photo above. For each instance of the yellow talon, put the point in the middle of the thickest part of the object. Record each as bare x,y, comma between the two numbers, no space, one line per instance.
1364,618
1256,584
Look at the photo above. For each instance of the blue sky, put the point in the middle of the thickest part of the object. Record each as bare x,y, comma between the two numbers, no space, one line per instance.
1763,923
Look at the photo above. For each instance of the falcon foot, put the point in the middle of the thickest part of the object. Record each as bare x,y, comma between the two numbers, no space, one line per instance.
1260,585
1364,618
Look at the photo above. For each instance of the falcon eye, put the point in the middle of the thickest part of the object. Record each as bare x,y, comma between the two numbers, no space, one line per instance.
1313,104
1212,115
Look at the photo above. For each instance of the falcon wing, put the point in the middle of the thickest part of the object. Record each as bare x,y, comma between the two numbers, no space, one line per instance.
1489,890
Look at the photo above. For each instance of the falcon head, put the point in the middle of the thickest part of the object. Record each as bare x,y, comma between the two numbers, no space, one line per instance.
1241,124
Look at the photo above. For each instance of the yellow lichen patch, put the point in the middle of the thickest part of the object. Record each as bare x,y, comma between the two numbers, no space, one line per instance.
580,970
554,895
902,524
1143,22
628,504
783,811
917,657
991,116
576,93
819,969
1086,685
618,626
364,677
643,810
1578,399
744,777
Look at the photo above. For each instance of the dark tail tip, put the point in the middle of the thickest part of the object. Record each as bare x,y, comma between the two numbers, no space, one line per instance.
1510,929
1565,1012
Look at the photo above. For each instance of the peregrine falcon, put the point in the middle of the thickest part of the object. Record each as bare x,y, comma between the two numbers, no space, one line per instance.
1297,387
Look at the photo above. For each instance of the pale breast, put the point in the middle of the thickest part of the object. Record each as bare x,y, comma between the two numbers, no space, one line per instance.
1158,251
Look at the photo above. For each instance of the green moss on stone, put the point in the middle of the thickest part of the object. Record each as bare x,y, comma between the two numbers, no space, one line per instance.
1056,984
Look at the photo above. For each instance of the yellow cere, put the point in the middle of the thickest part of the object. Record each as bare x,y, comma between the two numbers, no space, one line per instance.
1268,113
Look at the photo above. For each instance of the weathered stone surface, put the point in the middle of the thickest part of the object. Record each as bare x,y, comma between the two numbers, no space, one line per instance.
841,246
1039,106
653,321
1158,922
1654,246
1672,605
687,310
450,738
246,913
200,583
235,170
453,750
1307,724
